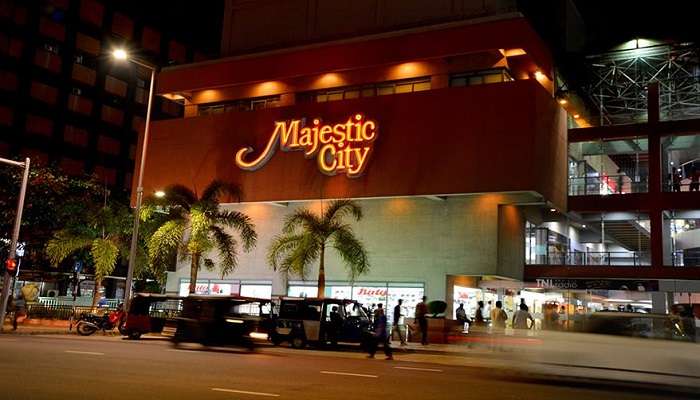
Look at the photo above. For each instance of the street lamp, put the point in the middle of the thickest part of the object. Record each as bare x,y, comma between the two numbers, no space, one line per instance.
123,55
15,236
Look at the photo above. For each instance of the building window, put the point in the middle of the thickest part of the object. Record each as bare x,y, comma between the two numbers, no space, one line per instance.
498,75
112,115
122,25
48,58
84,74
106,175
39,125
176,52
604,167
71,166
10,46
91,11
75,136
52,29
87,44
115,86
42,92
108,145
370,90
8,80
6,115
251,104
79,104
150,39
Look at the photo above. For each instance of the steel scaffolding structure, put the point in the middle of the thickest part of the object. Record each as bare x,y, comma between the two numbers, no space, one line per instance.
619,80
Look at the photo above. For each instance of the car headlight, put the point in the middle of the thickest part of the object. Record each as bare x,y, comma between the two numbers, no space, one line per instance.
234,321
258,335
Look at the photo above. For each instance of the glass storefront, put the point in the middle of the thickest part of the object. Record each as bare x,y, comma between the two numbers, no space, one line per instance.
218,287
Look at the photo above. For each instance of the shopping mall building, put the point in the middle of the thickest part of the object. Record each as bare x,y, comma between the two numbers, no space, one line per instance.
453,140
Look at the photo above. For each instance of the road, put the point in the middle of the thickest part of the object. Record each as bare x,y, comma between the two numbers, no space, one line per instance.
71,367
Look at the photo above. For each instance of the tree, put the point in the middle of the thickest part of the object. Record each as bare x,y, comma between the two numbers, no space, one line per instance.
192,226
306,235
103,233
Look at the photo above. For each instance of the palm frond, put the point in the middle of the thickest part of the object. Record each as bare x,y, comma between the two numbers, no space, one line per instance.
217,188
338,209
180,195
351,251
63,243
227,247
209,264
242,223
164,242
104,254
304,219
294,253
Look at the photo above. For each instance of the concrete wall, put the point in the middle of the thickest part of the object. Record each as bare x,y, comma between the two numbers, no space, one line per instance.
250,25
409,240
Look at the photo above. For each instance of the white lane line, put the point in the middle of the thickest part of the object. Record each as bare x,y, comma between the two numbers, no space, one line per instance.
420,369
90,353
349,374
246,392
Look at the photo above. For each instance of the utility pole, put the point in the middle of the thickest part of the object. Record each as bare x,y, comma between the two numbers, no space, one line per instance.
15,236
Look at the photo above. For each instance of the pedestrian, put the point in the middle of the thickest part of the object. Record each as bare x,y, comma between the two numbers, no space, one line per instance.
695,181
479,314
422,320
20,307
397,321
461,314
522,304
499,316
378,311
380,336
335,326
677,177
521,317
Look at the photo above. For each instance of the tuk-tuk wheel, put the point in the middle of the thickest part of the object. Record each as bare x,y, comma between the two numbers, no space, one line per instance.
298,342
276,339
133,335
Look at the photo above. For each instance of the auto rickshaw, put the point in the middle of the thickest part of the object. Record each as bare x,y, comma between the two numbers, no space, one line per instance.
315,321
148,313
222,320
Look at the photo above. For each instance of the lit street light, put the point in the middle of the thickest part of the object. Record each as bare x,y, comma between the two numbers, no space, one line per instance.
122,55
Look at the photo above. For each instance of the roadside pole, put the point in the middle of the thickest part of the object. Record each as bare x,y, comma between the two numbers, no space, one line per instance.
7,279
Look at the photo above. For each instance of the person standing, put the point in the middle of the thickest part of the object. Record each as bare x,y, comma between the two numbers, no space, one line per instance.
397,321
521,317
499,316
461,315
380,336
422,320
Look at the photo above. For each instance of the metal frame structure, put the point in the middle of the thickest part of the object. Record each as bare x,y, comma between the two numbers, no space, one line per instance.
619,79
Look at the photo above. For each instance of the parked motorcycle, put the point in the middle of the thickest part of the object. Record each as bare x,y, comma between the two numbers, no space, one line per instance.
90,323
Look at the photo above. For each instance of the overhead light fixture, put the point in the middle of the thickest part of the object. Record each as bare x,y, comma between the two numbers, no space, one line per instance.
553,209
583,226
159,194
576,116
539,75
563,101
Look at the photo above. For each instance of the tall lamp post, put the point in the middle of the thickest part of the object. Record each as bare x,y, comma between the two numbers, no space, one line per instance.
15,236
123,55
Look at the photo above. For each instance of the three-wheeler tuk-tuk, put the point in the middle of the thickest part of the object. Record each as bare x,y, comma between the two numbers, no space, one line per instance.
148,313
316,321
221,320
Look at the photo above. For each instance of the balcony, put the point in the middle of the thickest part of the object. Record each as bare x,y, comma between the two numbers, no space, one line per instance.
598,258
607,185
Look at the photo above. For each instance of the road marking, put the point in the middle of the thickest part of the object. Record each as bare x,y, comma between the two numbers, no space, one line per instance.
349,374
420,369
246,392
90,353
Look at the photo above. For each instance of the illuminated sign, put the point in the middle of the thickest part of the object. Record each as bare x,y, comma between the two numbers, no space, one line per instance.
338,148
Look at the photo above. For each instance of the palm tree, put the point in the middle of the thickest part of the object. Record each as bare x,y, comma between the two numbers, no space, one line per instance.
193,226
306,235
102,232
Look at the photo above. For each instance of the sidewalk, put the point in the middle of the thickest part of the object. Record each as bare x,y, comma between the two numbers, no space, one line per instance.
35,330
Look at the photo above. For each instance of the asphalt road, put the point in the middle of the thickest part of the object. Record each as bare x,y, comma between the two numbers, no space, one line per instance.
70,367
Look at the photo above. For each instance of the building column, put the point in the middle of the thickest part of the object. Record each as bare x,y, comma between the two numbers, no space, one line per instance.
659,302
655,214
279,285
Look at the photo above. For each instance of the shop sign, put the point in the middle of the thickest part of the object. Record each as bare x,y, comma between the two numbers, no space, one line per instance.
343,147
602,284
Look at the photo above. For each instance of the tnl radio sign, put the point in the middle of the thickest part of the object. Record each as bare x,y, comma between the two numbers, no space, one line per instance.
339,148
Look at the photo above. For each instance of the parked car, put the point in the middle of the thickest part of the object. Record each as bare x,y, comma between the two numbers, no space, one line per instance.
313,321
221,320
652,326
148,313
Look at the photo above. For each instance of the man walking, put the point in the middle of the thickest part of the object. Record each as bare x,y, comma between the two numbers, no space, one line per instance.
422,320
397,320
380,335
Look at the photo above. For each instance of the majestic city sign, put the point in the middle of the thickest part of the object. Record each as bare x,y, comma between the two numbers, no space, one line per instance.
338,148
